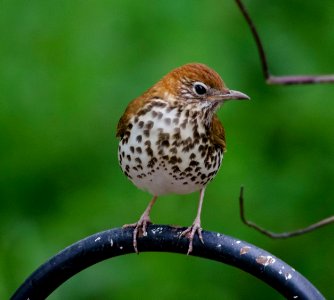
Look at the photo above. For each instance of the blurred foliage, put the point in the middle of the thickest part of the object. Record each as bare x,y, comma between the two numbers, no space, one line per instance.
68,70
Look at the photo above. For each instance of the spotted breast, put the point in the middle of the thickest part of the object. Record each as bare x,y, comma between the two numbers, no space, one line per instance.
168,149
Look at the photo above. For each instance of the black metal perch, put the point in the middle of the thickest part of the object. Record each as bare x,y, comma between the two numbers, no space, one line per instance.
161,238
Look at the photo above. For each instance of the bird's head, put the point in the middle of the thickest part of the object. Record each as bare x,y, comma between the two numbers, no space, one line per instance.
196,82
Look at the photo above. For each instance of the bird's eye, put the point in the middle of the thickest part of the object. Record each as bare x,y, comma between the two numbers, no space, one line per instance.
200,88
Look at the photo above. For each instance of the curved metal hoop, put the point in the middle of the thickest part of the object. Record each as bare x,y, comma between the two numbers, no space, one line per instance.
162,238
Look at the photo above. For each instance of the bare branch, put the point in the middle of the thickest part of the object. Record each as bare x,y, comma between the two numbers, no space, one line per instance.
279,80
263,58
299,79
282,235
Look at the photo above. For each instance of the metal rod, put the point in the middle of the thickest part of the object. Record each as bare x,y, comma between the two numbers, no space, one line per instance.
161,238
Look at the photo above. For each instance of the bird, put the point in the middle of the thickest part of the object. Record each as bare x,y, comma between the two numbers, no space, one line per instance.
171,140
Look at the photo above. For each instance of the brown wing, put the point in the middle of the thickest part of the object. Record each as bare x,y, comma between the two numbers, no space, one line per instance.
132,109
218,132
135,105
121,126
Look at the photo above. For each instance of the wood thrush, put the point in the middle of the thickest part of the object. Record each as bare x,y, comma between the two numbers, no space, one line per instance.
171,140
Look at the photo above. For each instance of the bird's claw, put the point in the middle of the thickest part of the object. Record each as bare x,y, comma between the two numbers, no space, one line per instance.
139,229
190,233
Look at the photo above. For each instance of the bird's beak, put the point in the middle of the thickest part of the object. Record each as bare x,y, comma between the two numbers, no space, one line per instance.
233,95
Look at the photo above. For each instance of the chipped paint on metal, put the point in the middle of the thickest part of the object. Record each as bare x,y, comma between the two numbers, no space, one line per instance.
157,230
244,250
265,260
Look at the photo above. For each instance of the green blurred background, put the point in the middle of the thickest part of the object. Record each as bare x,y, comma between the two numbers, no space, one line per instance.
67,71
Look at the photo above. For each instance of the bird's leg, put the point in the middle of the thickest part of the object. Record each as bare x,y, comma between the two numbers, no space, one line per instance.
196,226
142,223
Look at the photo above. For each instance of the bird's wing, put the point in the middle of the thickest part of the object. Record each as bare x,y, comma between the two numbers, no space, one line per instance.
131,110
218,132
121,126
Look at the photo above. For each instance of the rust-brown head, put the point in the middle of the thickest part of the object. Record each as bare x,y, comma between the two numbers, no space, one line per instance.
196,82
191,83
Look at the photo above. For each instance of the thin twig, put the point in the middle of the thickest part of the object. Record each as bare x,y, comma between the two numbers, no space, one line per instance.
263,57
300,79
282,235
279,80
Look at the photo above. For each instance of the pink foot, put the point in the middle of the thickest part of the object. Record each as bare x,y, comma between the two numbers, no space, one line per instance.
190,233
141,225
139,228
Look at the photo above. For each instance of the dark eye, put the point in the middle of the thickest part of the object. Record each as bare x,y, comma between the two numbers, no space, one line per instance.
200,88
